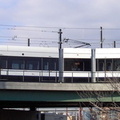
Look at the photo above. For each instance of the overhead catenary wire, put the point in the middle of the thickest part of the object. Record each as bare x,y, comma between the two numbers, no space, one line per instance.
58,27
46,27
93,40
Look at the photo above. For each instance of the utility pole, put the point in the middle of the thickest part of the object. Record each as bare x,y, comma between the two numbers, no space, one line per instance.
28,41
114,44
101,38
61,60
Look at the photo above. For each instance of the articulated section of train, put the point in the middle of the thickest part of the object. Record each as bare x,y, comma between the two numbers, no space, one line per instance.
41,64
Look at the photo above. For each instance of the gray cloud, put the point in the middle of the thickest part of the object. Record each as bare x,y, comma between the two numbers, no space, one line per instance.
62,13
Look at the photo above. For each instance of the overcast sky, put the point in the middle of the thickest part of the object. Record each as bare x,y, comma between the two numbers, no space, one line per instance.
62,14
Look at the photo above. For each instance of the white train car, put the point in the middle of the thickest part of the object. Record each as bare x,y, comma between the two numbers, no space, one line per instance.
107,64
40,64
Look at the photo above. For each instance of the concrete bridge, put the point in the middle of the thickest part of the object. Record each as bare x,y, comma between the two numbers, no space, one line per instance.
33,95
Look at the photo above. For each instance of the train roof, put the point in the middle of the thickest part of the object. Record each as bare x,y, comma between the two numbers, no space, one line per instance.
29,51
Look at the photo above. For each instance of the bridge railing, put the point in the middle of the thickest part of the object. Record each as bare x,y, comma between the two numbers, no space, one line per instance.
52,76
42,75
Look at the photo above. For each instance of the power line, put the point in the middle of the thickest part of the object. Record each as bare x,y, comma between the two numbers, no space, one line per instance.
46,27
14,26
15,29
27,26
17,37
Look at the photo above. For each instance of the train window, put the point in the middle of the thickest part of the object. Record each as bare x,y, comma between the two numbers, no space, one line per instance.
104,65
68,64
77,64
29,63
32,64
73,65
109,65
45,64
116,64
16,64
87,64
3,63
49,64
53,64
100,65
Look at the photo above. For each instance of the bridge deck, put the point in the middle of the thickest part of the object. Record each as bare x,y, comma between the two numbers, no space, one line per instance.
60,86
15,94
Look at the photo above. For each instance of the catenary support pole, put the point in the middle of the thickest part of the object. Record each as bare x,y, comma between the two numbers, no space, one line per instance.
28,41
101,38
114,44
93,64
61,60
